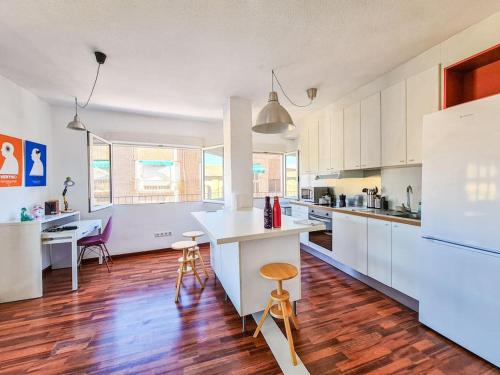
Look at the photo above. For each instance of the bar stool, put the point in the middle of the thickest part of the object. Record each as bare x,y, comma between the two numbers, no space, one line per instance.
282,309
195,251
186,264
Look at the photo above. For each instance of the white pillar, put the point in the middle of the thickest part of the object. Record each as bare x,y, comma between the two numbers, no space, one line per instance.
238,177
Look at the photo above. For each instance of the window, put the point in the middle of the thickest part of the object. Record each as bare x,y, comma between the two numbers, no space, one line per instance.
99,157
213,173
291,175
155,174
267,174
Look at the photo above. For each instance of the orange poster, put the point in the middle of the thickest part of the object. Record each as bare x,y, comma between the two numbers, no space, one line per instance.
11,161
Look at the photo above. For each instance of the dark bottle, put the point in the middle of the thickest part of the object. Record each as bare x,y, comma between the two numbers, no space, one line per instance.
268,214
276,213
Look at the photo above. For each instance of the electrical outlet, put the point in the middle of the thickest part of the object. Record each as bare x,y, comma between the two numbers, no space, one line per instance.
162,234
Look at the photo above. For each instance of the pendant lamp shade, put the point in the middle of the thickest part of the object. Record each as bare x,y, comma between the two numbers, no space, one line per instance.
273,118
76,124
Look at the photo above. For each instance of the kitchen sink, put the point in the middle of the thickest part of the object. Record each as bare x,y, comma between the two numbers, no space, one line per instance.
405,215
363,210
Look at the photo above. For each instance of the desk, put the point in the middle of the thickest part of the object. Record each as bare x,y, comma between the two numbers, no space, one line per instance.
85,228
21,252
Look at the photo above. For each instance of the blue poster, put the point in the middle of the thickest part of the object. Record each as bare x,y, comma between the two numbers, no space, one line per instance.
35,164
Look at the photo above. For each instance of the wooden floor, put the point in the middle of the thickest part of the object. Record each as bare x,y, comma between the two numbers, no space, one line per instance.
127,322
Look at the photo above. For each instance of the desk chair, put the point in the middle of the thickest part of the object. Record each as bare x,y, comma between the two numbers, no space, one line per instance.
98,241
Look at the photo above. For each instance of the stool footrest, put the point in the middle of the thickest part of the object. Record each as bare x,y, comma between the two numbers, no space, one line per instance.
278,313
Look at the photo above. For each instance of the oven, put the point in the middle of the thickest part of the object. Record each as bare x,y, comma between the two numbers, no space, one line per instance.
321,238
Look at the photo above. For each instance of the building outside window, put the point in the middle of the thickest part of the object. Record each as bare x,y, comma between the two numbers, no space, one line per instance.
291,175
267,174
213,173
155,174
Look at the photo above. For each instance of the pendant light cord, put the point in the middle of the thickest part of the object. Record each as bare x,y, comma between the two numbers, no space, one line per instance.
284,93
91,92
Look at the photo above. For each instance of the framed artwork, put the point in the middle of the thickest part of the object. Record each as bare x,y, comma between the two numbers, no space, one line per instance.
11,161
35,164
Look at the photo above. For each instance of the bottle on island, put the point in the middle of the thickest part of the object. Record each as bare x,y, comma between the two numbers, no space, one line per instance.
276,213
268,214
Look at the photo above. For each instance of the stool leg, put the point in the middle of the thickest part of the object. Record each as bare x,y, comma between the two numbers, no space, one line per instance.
202,263
266,311
288,334
179,281
193,266
293,316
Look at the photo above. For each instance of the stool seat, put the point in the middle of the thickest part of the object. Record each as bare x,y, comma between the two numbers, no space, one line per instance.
278,271
193,234
181,245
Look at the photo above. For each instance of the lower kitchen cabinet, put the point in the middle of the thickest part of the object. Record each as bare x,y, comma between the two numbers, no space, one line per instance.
350,241
300,212
379,250
406,247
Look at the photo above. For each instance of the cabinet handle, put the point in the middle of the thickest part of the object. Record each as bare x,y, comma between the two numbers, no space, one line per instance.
401,161
411,160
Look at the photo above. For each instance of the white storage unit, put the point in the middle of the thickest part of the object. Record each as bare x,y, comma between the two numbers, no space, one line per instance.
324,144
406,249
350,241
422,97
301,212
312,146
379,250
370,131
352,137
337,141
393,125
304,149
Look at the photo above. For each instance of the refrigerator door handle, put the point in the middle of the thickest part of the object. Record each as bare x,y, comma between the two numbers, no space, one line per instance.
458,244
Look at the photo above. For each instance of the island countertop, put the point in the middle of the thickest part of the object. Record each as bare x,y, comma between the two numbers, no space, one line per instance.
227,226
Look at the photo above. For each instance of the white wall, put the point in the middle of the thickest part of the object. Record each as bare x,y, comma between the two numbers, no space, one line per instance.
24,115
395,181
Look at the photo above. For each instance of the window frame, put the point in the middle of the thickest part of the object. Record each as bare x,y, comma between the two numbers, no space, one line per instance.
203,149
282,154
157,145
296,153
90,175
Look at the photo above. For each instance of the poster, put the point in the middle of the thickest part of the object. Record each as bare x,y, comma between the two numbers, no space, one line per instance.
11,161
35,164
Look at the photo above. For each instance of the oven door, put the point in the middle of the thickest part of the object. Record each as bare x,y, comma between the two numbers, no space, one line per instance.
322,238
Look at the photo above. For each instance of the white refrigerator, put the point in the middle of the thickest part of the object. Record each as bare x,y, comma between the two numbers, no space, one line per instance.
459,284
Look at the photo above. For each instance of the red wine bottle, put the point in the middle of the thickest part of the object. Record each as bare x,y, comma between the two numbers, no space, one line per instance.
268,214
276,213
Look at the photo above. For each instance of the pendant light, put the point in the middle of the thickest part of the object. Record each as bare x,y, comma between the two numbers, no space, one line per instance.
76,124
274,118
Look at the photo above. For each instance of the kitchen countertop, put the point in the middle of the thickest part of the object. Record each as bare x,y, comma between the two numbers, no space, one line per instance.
227,226
362,211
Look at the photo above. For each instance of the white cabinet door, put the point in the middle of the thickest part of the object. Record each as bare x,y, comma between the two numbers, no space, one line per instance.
324,148
379,250
422,97
393,125
313,145
301,212
370,131
352,137
350,241
337,140
406,248
304,149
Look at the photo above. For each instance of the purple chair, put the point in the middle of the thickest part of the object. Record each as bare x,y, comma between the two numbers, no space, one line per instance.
97,241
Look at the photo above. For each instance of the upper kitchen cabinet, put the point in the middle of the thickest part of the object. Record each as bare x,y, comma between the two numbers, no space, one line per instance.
370,131
352,137
422,97
304,149
393,125
337,140
324,145
313,145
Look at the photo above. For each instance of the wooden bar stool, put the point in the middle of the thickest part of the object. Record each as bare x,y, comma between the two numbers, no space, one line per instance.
282,309
195,251
186,264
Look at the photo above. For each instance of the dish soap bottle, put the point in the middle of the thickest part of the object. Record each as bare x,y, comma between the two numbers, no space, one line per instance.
268,214
276,213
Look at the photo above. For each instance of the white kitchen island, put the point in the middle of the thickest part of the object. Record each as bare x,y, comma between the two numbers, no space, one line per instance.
240,246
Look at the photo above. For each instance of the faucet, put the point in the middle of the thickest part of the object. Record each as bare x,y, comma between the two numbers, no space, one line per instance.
409,190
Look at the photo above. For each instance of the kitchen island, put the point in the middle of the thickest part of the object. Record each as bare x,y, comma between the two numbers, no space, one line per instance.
240,246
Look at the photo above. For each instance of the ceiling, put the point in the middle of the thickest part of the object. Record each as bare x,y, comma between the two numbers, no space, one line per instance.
185,57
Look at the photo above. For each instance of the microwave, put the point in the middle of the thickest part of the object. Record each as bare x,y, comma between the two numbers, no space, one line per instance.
312,194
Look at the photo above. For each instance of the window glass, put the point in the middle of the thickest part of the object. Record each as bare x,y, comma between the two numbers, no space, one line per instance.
213,173
147,174
267,174
291,175
99,172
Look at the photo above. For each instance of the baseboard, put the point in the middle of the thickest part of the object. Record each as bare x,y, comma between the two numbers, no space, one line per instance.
372,283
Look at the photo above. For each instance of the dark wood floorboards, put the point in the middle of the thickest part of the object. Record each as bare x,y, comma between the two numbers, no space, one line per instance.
126,322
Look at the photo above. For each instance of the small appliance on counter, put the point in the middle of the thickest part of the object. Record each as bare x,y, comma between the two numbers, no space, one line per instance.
370,196
381,203
313,194
342,200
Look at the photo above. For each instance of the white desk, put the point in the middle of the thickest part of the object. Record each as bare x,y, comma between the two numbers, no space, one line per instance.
84,228
21,252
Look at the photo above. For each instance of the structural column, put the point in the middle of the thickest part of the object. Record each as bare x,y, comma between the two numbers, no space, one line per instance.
238,178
